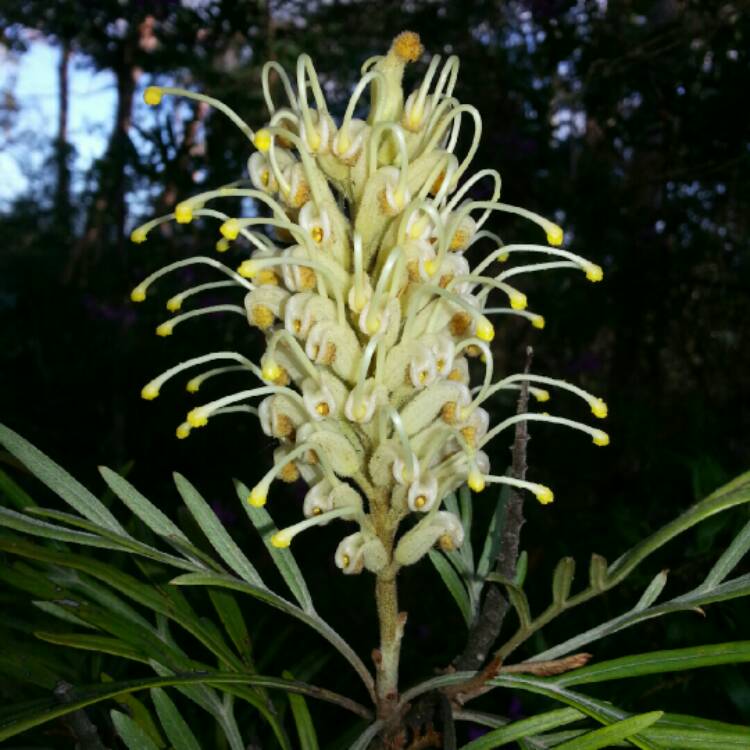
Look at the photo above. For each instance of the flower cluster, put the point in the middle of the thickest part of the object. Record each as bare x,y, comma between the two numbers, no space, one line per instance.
375,322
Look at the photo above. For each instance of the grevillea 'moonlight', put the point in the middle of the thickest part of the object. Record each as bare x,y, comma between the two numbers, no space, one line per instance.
359,277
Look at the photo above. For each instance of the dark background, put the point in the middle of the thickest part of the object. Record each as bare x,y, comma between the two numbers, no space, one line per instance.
626,121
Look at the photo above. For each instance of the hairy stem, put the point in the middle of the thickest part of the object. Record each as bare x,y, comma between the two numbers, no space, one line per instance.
391,630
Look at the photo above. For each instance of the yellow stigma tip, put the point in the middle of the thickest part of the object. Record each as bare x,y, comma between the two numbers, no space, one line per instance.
230,230
222,245
182,431
280,540
599,408
152,96
541,395
183,213
372,325
262,140
475,481
594,273
138,236
248,269
138,294
485,330
430,267
555,235
601,438
149,392
544,495
518,301
271,371
196,418
538,322
165,329
174,304
193,386
502,258
257,498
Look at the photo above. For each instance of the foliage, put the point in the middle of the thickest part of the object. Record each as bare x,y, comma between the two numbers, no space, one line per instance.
142,618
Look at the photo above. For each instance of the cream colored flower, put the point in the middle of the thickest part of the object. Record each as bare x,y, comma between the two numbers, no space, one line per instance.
369,306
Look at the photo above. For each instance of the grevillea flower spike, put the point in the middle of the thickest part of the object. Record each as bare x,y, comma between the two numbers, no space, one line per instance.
357,273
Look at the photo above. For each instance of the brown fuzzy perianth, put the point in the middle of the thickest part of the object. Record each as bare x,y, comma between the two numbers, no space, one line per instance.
267,277
460,240
460,323
283,234
307,278
290,473
302,195
445,279
470,435
329,354
283,426
438,183
448,412
262,317
283,379
407,46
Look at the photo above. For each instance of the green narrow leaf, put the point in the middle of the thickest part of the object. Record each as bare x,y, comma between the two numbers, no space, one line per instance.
61,613
141,506
59,481
738,587
114,540
175,727
494,534
729,559
17,495
453,583
611,735
140,715
658,662
522,566
521,605
11,519
525,728
131,733
274,600
234,623
698,739
598,573
162,600
730,495
17,719
562,580
308,739
684,721
651,594
100,643
467,507
215,532
283,558
517,598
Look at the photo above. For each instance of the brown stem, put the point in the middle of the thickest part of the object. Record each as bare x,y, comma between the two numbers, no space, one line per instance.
486,629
